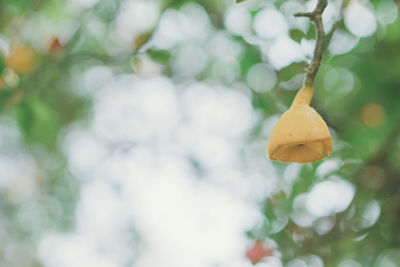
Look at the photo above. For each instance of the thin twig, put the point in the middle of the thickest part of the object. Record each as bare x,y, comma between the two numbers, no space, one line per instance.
316,17
329,35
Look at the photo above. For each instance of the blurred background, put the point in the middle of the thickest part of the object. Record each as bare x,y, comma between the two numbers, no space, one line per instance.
133,133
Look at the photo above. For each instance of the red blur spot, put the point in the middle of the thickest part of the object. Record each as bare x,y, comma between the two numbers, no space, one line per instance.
55,46
258,251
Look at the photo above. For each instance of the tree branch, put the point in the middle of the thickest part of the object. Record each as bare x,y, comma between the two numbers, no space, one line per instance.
316,17
329,35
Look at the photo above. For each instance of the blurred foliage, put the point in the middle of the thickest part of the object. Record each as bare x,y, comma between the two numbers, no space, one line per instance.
37,92
37,122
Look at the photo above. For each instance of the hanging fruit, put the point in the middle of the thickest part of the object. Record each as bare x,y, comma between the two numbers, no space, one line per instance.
301,135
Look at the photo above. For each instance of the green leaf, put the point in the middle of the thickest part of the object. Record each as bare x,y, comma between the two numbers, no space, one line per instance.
2,65
37,122
297,35
250,58
23,5
240,1
160,56
142,39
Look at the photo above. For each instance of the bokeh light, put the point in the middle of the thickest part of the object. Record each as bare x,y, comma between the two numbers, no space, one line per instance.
133,133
